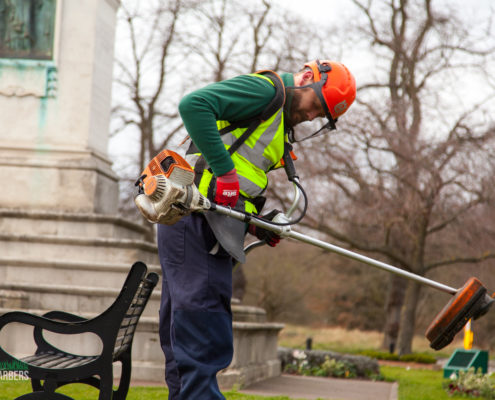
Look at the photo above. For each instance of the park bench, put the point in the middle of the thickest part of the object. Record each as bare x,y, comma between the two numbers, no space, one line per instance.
115,327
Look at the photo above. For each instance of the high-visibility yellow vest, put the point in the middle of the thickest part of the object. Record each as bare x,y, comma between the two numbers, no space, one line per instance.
259,153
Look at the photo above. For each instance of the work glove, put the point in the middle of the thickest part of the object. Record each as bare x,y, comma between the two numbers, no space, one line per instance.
271,238
227,192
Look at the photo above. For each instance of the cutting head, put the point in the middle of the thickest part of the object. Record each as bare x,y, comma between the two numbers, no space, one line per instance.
470,301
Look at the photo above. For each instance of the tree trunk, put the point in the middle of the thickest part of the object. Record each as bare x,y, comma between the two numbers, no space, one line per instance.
408,318
396,293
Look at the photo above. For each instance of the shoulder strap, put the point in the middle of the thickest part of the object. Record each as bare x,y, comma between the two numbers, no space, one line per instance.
275,104
279,99
241,139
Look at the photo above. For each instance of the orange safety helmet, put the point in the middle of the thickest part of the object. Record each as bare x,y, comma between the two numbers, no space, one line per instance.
337,87
334,86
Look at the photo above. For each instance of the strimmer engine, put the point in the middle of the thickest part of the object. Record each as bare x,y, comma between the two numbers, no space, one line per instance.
166,190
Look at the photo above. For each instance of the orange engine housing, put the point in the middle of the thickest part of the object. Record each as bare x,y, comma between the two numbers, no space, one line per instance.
172,166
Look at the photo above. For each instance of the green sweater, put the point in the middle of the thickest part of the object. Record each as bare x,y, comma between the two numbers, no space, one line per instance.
231,100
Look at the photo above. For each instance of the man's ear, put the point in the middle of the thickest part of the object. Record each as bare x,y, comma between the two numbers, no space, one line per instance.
307,77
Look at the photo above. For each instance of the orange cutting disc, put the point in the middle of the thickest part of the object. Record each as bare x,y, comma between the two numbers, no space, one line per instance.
471,301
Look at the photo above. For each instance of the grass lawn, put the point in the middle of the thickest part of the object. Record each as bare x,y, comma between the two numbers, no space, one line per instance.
414,384
352,341
418,384
10,390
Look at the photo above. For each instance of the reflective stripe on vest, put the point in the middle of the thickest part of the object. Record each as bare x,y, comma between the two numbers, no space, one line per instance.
256,153
255,157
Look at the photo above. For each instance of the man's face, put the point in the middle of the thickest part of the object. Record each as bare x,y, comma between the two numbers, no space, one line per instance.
305,106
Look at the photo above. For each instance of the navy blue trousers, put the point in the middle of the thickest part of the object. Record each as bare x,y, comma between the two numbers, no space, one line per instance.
195,314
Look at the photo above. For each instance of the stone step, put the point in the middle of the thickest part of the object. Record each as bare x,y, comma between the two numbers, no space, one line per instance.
69,224
74,299
244,313
71,273
255,348
88,299
98,250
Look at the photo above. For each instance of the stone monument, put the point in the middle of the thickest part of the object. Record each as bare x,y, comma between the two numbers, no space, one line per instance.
55,87
62,245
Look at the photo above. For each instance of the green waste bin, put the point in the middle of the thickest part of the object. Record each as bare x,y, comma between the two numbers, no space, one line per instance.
464,359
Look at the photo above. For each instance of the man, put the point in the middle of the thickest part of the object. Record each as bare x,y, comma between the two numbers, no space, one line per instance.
239,130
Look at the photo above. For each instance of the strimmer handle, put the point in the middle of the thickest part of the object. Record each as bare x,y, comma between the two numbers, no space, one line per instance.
289,167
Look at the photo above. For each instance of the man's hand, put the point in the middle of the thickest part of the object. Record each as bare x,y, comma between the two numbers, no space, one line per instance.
271,238
227,192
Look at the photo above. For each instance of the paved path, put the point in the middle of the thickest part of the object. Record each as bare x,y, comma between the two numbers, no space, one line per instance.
306,387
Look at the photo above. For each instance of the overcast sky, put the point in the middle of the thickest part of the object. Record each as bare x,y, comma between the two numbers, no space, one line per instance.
319,11
336,13
324,11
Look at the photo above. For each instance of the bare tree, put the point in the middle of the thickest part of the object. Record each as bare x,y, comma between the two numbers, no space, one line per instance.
402,175
283,282
215,41
409,164
169,47
145,115
243,37
144,73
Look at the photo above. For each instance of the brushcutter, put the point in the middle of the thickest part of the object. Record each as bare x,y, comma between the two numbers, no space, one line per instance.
166,193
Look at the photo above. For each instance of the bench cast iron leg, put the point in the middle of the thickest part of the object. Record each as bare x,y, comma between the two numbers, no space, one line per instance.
125,376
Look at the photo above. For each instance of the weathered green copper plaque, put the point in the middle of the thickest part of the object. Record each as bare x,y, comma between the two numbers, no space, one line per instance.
27,29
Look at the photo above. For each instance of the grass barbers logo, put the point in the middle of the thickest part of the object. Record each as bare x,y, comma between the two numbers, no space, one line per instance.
13,371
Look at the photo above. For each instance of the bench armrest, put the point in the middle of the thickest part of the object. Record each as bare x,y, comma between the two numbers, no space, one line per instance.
73,325
46,323
63,316
54,315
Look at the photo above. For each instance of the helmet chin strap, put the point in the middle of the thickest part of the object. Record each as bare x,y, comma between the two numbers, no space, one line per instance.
292,137
330,125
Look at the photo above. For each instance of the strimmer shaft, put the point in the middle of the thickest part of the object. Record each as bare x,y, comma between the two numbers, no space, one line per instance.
285,231
372,262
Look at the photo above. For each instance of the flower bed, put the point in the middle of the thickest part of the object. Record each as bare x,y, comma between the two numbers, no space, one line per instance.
328,363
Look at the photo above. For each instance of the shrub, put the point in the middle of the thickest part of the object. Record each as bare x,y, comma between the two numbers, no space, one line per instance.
328,363
329,368
339,369
422,358
472,384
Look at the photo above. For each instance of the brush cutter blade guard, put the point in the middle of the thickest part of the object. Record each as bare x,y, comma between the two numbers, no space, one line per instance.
470,301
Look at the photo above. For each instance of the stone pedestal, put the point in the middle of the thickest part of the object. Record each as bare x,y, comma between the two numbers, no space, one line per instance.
55,117
62,246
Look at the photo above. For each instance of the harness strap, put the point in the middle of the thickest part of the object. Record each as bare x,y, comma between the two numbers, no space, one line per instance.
275,104
200,166
279,99
241,139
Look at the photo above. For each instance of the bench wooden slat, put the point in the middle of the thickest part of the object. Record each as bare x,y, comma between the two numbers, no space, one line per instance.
37,358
